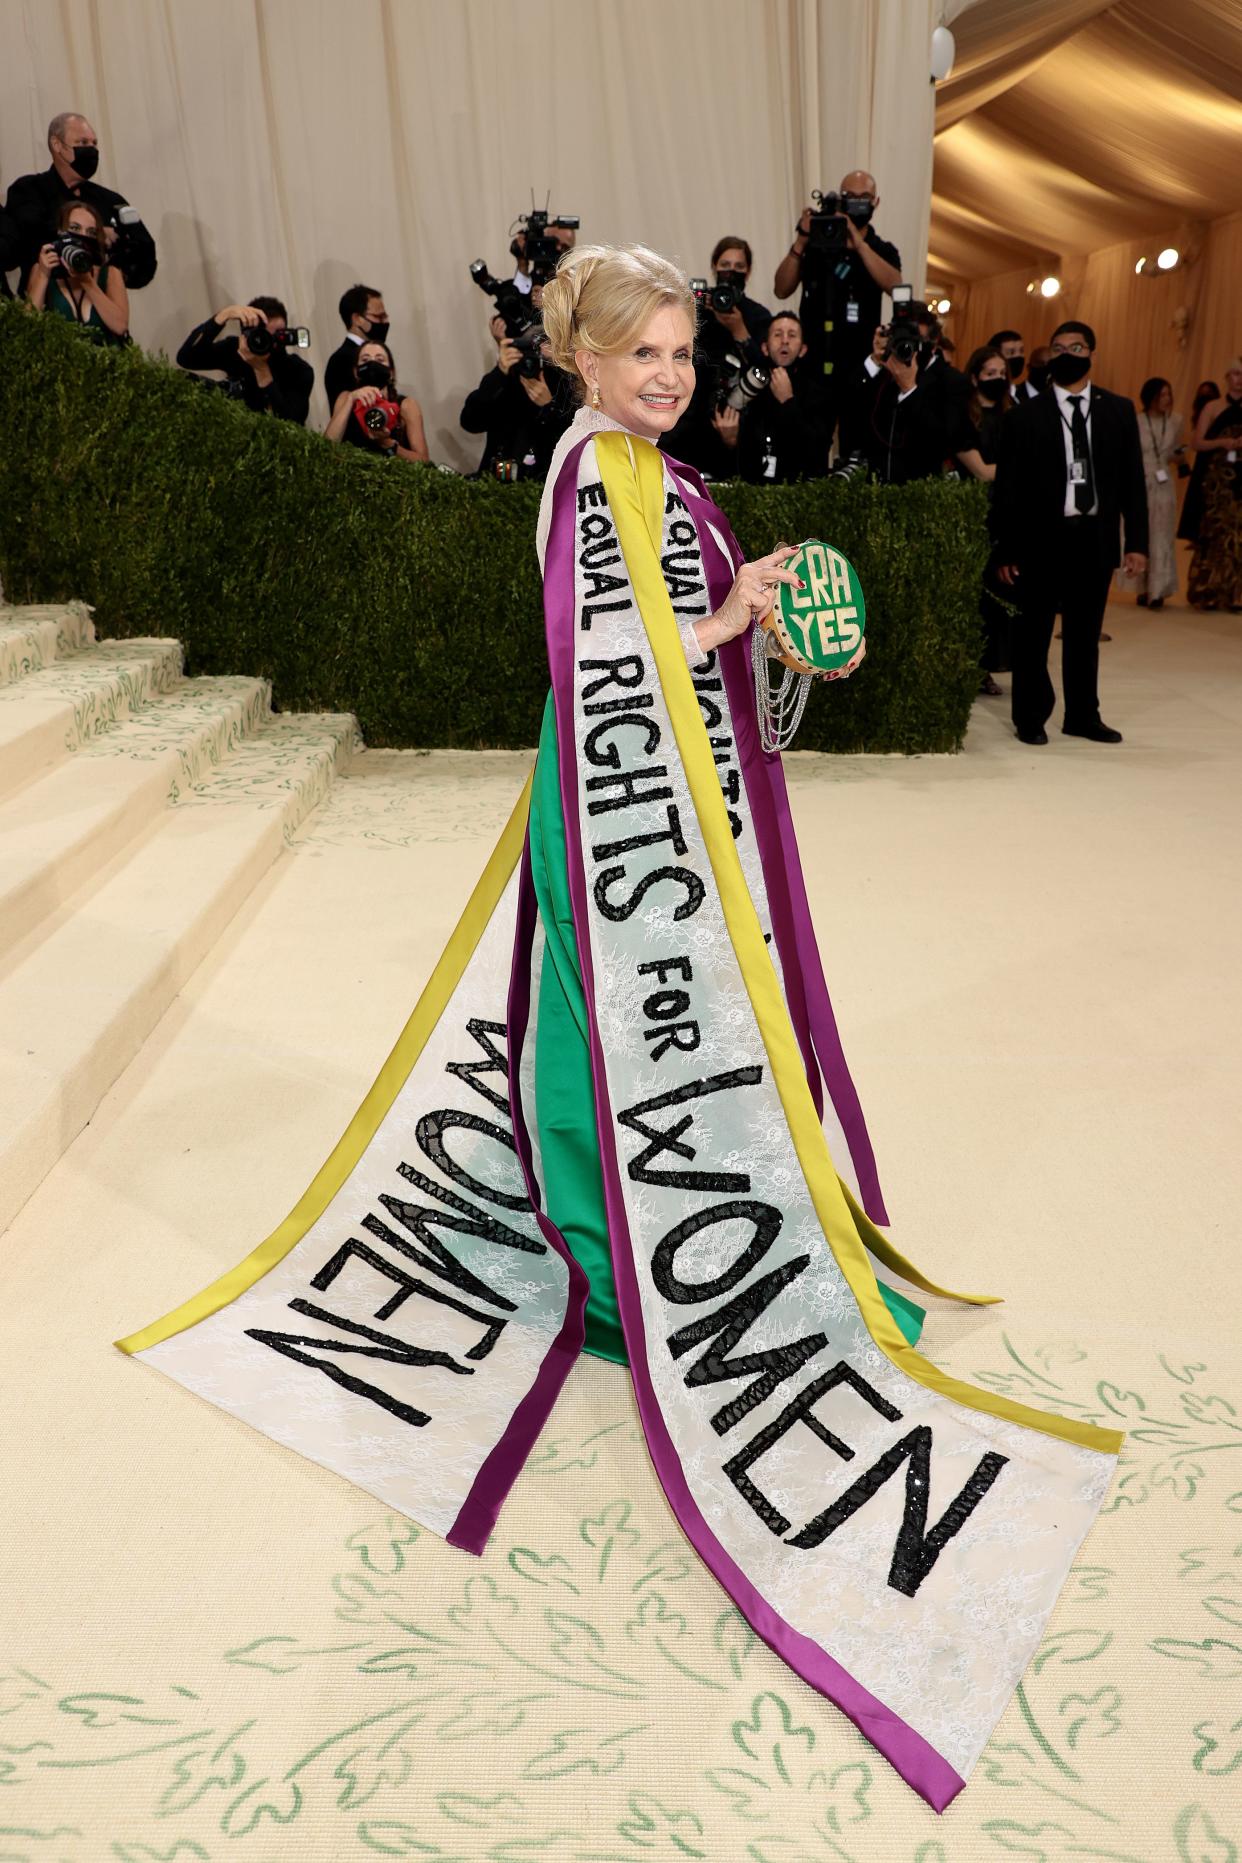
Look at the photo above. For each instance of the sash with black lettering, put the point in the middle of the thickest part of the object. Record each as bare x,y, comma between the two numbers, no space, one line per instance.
898,1536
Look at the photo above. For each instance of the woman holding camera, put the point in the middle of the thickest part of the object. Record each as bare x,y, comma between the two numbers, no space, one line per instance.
374,413
72,279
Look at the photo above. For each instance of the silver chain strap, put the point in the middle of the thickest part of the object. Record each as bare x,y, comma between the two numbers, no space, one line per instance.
779,707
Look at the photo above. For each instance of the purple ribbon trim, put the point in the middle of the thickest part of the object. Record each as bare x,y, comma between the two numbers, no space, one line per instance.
810,1006
912,1756
473,1526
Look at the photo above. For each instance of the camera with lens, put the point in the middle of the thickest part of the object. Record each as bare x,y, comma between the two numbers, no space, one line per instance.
904,340
724,296
533,243
739,382
522,325
261,341
381,417
852,465
78,252
827,234
855,207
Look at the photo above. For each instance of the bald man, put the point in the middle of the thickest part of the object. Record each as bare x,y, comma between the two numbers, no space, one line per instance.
843,287
35,201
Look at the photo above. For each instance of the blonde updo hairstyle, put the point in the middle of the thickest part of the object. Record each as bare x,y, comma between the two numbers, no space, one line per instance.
601,296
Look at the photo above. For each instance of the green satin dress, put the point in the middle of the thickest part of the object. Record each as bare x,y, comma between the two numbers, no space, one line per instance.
564,1111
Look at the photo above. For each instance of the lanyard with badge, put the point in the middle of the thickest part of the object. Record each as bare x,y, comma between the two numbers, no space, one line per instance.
1079,462
1162,477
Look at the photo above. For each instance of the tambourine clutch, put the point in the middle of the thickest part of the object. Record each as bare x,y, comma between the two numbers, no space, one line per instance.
819,627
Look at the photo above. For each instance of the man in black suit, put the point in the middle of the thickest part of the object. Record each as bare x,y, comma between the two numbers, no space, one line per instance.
1069,474
907,414
366,321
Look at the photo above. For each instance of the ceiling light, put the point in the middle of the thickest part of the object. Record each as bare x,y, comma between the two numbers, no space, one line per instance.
1032,287
1141,266
943,306
1167,259
1049,287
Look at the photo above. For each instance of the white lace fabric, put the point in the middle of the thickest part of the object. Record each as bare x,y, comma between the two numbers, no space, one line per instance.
589,421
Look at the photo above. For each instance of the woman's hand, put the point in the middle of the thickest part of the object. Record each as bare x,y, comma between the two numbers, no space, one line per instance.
48,258
843,672
752,596
363,397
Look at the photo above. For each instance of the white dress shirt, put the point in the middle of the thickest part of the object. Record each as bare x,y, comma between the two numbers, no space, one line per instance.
1083,396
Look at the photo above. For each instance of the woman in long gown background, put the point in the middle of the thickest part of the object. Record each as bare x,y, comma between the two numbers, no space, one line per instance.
1160,433
1212,513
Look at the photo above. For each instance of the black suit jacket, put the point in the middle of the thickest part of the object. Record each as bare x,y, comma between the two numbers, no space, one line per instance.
339,372
1028,497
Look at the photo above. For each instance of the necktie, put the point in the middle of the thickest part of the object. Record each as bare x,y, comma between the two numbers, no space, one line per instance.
1084,491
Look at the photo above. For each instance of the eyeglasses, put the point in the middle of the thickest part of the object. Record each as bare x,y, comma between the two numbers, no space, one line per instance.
1069,349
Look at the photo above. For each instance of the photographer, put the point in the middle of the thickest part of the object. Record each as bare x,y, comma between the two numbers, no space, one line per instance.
739,325
520,404
72,279
910,408
844,268
269,377
783,431
362,312
373,413
730,336
538,247
36,203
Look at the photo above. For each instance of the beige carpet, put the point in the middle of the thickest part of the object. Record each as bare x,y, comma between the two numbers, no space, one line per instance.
212,1649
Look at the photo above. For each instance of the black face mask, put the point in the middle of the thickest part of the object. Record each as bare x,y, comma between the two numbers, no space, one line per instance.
374,375
1065,370
993,390
1015,365
1038,377
378,333
85,160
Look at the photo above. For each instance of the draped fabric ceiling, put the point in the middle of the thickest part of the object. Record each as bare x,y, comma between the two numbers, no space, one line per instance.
1074,137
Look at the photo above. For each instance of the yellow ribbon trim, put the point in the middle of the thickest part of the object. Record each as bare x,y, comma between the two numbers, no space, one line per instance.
633,475
367,1120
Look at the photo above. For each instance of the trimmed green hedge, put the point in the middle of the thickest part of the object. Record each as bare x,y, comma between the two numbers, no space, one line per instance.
408,596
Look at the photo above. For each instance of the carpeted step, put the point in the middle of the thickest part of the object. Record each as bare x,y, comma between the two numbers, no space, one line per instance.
58,830
289,765
76,1008
31,638
60,706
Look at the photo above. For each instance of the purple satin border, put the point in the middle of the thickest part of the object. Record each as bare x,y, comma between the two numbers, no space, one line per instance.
792,925
500,1469
913,1757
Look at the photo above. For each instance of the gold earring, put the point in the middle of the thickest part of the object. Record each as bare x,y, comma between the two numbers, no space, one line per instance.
595,396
